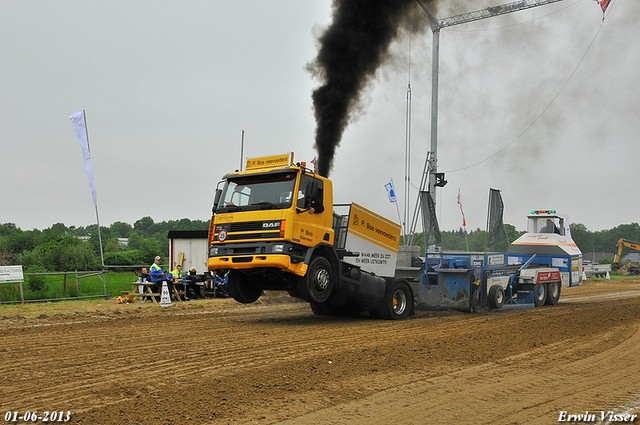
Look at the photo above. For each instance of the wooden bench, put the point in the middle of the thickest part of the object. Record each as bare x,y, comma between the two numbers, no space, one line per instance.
143,296
149,294
146,294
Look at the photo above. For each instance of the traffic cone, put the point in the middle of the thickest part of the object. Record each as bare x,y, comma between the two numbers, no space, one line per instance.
165,298
608,277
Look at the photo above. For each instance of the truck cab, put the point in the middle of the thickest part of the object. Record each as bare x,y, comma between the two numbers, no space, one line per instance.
274,228
269,222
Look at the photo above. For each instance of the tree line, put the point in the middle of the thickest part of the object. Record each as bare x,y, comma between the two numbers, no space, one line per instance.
62,248
601,241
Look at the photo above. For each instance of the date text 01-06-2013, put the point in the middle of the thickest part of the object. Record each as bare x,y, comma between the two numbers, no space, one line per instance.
35,416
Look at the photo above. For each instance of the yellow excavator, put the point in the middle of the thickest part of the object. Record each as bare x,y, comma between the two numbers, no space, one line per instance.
623,243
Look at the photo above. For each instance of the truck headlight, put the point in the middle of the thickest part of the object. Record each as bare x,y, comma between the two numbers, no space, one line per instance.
278,248
213,251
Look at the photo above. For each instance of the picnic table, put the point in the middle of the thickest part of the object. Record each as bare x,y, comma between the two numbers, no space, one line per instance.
147,292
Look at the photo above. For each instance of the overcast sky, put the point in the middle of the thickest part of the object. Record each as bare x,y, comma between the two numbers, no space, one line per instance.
545,101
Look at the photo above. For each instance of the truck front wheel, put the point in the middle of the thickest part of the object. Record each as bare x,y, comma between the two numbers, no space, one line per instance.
318,283
242,288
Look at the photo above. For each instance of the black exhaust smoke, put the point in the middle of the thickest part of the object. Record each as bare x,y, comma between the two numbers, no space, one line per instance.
351,49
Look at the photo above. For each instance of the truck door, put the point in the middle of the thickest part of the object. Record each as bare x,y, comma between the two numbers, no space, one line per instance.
312,225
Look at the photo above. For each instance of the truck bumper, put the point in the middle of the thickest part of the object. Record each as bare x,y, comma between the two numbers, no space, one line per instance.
240,262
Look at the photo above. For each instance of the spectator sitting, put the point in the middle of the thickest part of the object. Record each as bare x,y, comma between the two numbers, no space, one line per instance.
144,277
158,276
192,289
220,283
177,273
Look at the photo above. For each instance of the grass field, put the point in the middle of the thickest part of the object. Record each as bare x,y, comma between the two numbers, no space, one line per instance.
68,285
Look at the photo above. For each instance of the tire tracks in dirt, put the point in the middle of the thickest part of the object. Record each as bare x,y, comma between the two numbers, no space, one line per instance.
221,362
576,375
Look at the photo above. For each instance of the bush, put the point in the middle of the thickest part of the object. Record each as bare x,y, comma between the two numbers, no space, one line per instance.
37,283
130,257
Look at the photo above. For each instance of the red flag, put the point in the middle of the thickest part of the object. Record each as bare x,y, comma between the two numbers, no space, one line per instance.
603,4
464,220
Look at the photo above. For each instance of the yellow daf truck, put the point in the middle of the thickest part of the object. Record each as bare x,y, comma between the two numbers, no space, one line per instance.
275,227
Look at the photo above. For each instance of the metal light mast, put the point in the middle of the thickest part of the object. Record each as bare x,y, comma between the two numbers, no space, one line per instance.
431,163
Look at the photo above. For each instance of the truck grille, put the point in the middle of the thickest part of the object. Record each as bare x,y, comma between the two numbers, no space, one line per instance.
245,236
248,230
245,227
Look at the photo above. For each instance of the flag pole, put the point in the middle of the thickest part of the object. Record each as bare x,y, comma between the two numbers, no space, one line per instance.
404,233
241,149
86,129
486,243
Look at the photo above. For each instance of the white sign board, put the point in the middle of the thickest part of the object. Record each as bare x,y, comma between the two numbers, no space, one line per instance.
11,274
375,239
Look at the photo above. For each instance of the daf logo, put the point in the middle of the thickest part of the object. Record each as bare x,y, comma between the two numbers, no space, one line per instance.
271,225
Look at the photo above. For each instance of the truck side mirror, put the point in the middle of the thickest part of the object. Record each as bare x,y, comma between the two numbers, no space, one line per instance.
216,200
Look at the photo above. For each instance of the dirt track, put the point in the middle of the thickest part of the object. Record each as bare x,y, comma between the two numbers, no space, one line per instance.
216,361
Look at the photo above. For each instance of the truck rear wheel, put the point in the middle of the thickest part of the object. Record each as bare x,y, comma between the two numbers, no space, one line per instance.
397,303
316,286
539,294
553,293
330,309
242,288
322,309
496,296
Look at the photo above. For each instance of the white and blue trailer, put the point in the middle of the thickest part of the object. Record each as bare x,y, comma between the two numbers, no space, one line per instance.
531,273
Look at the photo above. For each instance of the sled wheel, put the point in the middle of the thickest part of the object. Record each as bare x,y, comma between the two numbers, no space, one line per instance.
539,294
496,296
553,293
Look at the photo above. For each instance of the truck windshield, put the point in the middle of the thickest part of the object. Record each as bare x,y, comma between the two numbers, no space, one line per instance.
265,191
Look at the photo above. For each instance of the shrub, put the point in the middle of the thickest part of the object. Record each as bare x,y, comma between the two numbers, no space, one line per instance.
130,257
37,283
